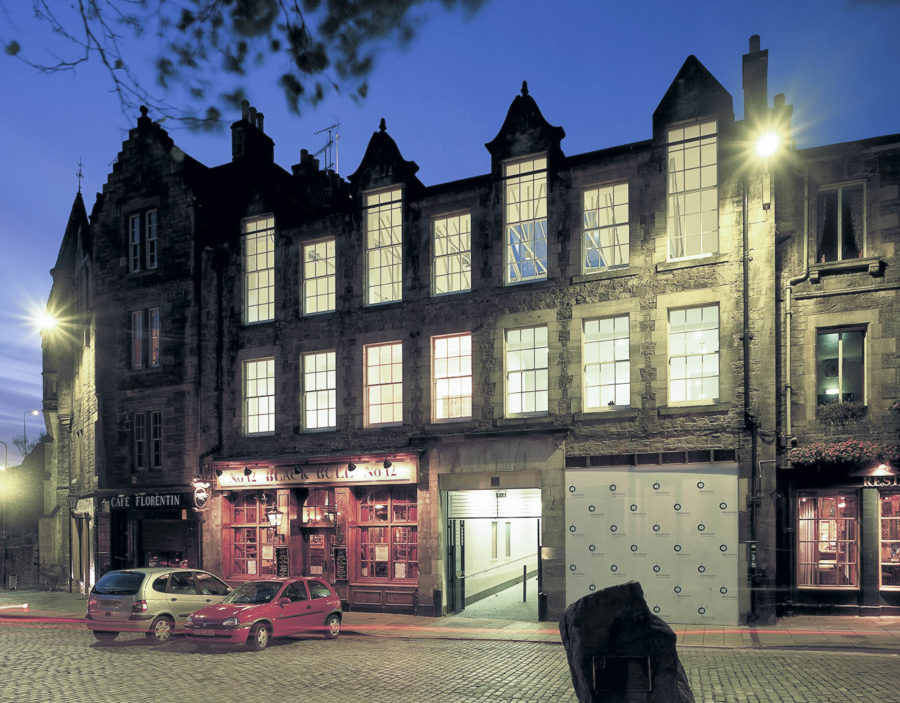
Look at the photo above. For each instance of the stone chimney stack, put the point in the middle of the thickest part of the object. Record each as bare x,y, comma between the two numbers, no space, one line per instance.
756,81
248,141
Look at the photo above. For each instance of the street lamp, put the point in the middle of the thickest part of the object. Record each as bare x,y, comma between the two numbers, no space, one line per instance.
5,456
25,415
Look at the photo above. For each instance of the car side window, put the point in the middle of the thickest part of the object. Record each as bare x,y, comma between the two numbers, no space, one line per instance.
160,583
182,582
317,589
211,586
296,591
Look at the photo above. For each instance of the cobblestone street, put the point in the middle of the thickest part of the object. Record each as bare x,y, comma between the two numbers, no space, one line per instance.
52,664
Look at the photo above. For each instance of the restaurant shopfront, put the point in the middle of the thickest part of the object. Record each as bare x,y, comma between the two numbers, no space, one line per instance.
353,521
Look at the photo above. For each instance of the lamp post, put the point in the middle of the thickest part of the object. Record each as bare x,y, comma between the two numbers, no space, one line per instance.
25,415
3,490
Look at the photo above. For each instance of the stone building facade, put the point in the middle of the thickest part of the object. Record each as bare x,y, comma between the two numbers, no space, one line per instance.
576,368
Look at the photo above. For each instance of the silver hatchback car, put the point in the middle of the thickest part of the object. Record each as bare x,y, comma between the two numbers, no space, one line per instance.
155,600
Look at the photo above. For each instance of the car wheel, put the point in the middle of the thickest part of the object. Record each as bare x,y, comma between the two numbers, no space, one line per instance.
105,636
332,626
161,629
258,639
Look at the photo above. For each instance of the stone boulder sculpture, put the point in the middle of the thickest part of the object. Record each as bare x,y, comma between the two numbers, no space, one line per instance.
620,652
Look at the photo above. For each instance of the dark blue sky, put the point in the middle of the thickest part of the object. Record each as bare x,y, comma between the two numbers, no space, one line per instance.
597,68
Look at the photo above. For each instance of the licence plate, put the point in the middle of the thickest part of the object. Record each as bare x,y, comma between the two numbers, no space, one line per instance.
109,603
205,633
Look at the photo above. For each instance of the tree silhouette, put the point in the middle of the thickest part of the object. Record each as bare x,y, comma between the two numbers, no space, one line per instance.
320,45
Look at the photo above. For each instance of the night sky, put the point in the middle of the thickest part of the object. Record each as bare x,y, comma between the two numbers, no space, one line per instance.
597,68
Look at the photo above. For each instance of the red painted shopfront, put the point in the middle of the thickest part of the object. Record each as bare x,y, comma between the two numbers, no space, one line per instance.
355,522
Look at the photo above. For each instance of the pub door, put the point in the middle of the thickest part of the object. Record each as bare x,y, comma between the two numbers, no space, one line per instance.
317,544
456,566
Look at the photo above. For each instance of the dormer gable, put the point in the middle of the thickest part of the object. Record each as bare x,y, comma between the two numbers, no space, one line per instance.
383,165
694,93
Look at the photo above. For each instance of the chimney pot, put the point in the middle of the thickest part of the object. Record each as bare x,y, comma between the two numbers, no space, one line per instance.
304,155
754,43
245,109
779,101
259,121
252,116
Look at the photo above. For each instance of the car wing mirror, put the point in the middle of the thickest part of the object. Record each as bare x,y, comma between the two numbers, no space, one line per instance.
284,601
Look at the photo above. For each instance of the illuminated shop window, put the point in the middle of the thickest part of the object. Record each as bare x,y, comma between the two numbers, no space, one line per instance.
694,354
827,541
452,376
839,366
384,246
841,223
259,269
693,193
388,534
525,219
452,254
890,540
527,370
318,277
607,370
253,546
605,228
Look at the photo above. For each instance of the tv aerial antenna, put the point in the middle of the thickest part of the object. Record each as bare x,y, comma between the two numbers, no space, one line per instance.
331,147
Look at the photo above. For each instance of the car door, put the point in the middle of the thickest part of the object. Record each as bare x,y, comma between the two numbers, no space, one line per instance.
212,589
183,595
321,601
291,617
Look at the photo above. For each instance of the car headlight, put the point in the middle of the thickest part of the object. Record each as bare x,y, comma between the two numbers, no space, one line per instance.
230,622
190,620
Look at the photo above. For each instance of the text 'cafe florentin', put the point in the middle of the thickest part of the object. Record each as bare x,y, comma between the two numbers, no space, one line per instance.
354,522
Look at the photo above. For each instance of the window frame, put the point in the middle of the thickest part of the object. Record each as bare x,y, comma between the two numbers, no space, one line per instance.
394,384
614,208
889,540
392,205
815,540
146,440
587,388
369,523
247,397
330,388
144,338
258,299
820,332
839,188
329,279
688,379
520,372
538,177
465,363
462,257
143,240
675,194
254,534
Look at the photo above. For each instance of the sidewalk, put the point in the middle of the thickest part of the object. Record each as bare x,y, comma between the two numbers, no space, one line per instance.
800,632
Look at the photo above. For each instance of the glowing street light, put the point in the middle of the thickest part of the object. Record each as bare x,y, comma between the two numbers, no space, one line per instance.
767,144
25,415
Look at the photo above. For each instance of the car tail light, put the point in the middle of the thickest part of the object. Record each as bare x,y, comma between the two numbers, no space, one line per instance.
92,602
140,606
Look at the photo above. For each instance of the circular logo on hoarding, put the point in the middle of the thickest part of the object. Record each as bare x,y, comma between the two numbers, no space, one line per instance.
593,548
571,489
612,487
656,528
592,508
634,547
677,506
701,527
701,610
656,568
723,547
592,587
723,590
677,547
657,609
613,528
656,486
677,589
701,569
613,567
572,528
632,507
701,485
723,505
572,567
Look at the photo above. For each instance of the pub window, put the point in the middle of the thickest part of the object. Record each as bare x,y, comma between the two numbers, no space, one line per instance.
388,534
319,508
253,548
890,541
841,223
828,541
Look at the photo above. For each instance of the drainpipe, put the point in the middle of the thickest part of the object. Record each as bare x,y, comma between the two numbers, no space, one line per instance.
788,313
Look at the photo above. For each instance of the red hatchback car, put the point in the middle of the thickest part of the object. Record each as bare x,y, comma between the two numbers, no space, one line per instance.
274,607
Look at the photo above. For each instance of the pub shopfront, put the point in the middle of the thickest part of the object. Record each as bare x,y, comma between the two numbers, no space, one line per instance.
844,540
353,521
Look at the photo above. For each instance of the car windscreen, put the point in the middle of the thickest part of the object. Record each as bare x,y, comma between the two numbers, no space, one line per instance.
119,583
254,592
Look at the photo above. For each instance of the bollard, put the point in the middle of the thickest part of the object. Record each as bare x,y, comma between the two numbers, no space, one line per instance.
524,583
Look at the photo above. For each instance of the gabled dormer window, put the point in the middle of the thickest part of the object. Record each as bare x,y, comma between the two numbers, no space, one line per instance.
525,219
692,189
384,246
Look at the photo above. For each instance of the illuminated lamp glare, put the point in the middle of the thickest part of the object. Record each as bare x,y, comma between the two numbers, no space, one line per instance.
767,144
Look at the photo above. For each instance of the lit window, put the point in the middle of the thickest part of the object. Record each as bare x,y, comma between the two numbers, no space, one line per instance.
694,354
388,534
143,252
452,254
607,373
839,366
259,396
318,277
890,540
605,234
527,374
145,338
693,194
384,384
252,538
259,269
319,390
452,376
841,224
827,541
525,219
384,240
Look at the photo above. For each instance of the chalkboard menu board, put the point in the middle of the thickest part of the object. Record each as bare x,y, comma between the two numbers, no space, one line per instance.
281,561
340,563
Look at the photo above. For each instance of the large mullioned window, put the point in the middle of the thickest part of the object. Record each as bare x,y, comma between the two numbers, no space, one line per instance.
259,269
452,254
259,396
384,383
694,354
525,219
693,193
384,246
319,390
527,370
318,277
605,228
452,376
607,372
